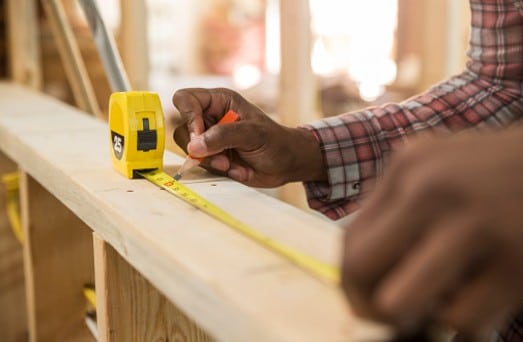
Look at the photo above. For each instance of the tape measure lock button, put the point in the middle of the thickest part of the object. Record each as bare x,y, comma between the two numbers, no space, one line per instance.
147,138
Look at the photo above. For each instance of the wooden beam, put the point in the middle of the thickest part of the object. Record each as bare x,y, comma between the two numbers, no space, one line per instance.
457,36
58,259
13,321
71,58
134,42
230,286
129,308
24,44
298,100
437,32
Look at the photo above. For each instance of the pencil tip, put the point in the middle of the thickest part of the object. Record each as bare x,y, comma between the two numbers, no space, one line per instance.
177,176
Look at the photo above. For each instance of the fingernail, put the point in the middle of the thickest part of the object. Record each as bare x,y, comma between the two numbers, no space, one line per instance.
197,146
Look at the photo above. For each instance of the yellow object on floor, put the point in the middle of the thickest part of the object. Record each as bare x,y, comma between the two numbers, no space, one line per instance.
11,183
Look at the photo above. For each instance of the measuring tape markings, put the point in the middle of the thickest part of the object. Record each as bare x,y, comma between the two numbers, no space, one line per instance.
314,266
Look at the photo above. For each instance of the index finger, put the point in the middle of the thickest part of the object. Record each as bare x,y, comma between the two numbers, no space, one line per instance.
198,106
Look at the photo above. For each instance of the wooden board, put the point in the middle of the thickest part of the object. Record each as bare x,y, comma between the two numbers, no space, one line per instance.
58,258
13,322
134,42
129,308
298,95
230,286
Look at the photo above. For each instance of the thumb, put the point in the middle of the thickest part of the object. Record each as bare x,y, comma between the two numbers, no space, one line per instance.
238,135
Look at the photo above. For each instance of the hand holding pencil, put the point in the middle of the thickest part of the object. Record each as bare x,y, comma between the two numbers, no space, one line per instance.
253,150
191,161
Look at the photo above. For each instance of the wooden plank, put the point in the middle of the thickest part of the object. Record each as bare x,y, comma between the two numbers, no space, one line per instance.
58,262
230,286
24,45
457,36
71,58
297,101
422,39
134,42
13,321
129,308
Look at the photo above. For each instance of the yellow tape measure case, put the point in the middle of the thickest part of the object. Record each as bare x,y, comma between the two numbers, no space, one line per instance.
137,132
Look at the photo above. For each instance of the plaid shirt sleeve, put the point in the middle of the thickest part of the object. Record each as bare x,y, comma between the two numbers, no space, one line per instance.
356,146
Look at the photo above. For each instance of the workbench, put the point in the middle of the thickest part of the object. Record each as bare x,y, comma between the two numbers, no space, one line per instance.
163,270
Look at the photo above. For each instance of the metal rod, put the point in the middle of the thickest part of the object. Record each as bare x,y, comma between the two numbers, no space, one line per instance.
111,60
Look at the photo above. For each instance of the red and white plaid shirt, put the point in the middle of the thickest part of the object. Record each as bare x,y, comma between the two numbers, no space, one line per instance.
356,146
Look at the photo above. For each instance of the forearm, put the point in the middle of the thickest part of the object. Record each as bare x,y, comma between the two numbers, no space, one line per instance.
488,94
356,146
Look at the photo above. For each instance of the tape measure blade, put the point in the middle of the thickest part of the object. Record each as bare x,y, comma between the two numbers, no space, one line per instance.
316,267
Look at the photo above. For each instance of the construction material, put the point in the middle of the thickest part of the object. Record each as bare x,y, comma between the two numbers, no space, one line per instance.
298,92
13,319
72,59
58,261
317,268
228,285
106,47
124,296
24,44
136,126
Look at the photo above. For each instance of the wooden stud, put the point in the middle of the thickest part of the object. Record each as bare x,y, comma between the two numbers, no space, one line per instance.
58,262
24,46
422,39
298,97
129,308
134,42
231,286
457,36
297,102
72,59
13,321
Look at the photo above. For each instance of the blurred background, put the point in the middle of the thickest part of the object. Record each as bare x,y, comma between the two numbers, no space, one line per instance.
298,60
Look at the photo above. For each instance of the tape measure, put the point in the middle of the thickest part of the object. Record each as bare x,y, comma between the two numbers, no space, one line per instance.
137,133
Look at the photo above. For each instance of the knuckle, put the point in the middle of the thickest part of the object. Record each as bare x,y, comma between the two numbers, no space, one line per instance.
214,139
179,96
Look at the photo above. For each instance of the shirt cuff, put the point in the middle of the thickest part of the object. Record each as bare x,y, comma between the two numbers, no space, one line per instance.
344,179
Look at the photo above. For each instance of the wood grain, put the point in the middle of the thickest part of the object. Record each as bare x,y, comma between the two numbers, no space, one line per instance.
13,321
129,308
58,259
233,288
